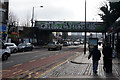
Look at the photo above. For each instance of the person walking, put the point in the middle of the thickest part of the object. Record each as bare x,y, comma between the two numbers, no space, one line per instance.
96,54
107,53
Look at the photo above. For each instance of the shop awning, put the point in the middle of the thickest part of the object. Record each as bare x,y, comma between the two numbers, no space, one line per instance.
15,33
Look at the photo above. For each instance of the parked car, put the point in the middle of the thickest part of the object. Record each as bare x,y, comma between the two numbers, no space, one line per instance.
76,43
12,47
65,43
81,42
4,51
71,43
55,45
25,47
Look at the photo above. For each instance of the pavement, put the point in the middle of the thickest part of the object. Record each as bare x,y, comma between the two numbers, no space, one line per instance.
81,68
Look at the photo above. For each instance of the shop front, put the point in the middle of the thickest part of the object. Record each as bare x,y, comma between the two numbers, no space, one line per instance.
114,37
117,42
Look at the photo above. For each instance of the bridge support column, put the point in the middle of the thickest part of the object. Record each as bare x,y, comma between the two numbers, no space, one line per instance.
43,37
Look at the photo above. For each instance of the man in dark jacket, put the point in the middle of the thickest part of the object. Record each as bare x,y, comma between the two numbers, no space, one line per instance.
107,52
96,54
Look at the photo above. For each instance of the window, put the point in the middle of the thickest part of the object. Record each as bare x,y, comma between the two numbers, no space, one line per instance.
9,45
1,16
2,1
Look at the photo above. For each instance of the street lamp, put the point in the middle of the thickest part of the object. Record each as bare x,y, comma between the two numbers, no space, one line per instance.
32,20
85,30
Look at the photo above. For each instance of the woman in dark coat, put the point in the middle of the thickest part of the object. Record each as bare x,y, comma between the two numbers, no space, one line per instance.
107,52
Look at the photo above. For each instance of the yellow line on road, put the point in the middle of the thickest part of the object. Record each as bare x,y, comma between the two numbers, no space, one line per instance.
5,70
29,75
37,73
50,55
43,58
17,72
17,65
21,73
53,68
32,60
24,72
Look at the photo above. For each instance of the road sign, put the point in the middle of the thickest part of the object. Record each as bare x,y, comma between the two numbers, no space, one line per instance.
69,25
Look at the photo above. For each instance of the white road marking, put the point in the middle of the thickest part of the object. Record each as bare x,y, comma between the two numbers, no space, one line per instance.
36,56
9,62
24,53
32,61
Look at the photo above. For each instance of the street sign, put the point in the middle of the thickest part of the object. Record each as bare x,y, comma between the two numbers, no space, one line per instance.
69,25
3,32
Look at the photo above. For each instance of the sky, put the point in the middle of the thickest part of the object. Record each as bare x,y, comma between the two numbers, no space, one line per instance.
56,10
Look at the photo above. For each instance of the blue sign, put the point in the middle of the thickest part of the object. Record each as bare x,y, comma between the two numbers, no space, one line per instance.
3,32
2,28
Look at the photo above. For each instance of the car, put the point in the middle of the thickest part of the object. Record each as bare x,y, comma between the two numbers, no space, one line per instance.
54,45
81,42
12,47
71,43
76,43
65,43
25,47
4,51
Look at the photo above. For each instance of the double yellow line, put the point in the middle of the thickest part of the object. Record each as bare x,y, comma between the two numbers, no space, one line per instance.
54,68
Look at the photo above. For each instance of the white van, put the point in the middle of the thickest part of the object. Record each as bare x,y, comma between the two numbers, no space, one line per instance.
4,51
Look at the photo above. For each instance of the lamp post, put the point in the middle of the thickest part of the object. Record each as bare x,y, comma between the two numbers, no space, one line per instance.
32,20
85,30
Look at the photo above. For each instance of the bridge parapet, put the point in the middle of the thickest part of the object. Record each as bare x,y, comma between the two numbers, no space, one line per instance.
72,26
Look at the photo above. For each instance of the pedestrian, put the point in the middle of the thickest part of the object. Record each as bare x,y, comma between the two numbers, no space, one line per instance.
113,53
104,59
107,58
96,54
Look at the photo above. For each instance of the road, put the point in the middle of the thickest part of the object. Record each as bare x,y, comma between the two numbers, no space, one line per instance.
36,63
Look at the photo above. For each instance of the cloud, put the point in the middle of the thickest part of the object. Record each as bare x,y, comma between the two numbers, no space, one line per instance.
114,0
53,13
72,10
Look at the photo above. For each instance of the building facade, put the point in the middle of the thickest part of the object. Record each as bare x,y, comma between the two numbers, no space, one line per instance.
4,9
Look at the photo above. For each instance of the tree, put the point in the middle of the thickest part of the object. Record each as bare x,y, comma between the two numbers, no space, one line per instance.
111,12
12,19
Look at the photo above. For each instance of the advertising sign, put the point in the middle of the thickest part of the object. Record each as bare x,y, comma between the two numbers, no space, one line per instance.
92,42
69,25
